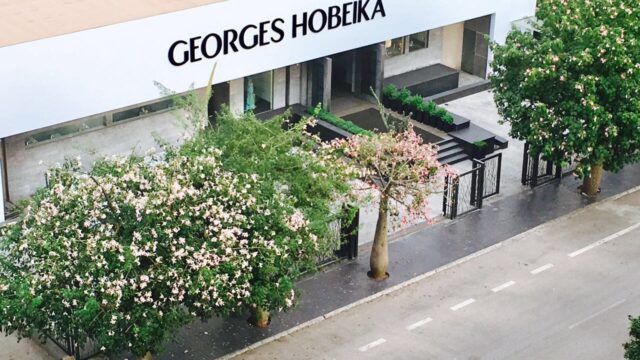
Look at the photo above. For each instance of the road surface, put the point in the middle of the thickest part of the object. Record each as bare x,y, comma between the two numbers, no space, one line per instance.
561,291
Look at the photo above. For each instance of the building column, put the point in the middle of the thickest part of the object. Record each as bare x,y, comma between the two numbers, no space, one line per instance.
236,96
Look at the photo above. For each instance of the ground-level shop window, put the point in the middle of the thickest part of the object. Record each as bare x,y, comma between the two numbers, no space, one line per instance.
419,41
258,92
406,44
65,131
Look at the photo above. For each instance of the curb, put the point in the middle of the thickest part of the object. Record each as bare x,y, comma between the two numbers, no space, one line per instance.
423,276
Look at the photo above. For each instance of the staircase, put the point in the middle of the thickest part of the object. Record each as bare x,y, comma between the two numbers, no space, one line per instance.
450,152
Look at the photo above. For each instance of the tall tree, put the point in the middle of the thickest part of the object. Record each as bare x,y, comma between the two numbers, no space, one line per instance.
573,91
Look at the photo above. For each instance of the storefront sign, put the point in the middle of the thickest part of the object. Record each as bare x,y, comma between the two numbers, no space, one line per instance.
274,31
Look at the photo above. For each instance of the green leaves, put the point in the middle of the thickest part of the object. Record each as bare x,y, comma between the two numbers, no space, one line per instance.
632,348
570,92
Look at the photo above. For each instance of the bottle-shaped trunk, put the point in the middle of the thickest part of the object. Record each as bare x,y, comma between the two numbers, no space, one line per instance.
379,261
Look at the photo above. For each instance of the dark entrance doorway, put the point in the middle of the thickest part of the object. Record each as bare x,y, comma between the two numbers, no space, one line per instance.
219,98
475,46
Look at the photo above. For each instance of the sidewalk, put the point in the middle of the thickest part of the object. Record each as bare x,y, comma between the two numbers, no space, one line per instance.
416,254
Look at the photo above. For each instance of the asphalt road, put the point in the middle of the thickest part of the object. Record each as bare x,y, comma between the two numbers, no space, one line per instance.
561,291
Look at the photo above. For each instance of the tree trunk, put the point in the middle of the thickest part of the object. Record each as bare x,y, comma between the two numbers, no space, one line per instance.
260,318
379,261
147,356
591,184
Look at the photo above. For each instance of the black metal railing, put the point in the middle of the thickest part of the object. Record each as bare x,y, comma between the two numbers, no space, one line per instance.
344,240
537,171
466,192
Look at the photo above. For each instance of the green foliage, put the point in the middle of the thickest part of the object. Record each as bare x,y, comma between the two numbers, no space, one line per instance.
480,144
632,348
415,100
575,92
404,94
339,122
391,92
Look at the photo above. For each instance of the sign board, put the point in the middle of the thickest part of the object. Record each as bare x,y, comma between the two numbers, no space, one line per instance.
72,76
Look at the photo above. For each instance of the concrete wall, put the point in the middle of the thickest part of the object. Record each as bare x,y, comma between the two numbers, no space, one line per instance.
26,172
295,85
417,59
452,36
279,88
236,96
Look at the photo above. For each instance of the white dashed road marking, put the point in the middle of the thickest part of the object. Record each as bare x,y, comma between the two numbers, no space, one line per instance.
604,241
463,304
597,314
419,324
503,286
541,269
371,345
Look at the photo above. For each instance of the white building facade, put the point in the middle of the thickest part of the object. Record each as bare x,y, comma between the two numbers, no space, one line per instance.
91,89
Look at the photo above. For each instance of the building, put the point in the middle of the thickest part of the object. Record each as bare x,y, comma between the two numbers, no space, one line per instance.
79,77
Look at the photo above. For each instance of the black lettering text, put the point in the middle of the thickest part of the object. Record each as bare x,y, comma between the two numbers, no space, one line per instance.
230,38
172,54
312,21
243,38
335,20
379,9
278,30
193,46
206,42
362,11
300,25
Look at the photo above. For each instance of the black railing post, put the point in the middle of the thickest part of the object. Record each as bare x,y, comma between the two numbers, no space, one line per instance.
445,196
499,180
534,173
349,234
456,193
525,164
480,185
474,182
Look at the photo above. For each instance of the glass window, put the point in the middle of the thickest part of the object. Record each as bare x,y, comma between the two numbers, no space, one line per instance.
258,92
419,41
142,110
395,47
66,130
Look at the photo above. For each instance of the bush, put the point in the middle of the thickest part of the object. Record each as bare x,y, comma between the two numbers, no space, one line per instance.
126,254
390,92
632,348
339,122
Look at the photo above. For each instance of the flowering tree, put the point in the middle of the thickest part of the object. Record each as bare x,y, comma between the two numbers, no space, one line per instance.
633,346
129,252
574,92
291,167
405,172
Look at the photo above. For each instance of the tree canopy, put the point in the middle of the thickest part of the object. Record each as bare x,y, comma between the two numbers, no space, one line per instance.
573,92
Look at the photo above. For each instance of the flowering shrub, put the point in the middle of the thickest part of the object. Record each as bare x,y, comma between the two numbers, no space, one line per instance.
129,252
402,169
573,93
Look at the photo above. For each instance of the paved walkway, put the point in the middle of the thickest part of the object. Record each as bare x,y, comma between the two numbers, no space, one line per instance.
414,255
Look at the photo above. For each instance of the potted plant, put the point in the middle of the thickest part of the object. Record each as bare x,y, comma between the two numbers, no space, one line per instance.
414,104
390,96
429,109
403,95
480,149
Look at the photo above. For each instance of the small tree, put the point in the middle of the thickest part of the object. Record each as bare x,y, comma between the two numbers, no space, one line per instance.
632,348
404,171
574,92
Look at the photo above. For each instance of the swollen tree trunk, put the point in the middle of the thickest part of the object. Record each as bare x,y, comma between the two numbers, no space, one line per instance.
591,184
261,318
379,260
